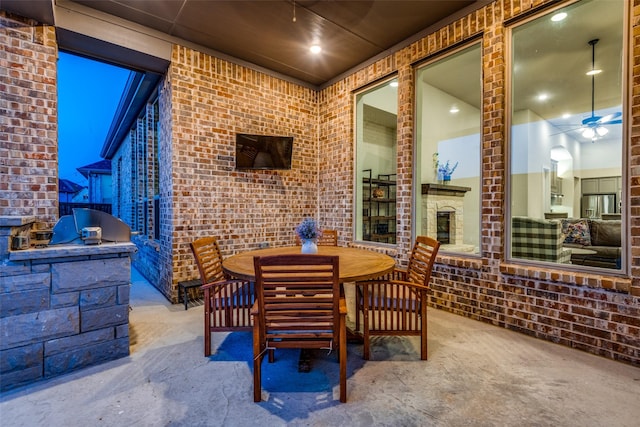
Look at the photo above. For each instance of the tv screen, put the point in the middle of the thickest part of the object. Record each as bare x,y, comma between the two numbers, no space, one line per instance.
263,151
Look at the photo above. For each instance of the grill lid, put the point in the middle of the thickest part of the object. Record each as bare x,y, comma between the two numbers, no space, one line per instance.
68,229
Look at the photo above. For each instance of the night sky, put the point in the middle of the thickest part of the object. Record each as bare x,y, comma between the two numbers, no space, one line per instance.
88,95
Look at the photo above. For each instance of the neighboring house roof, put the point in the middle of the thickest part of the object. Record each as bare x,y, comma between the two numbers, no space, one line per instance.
102,167
66,186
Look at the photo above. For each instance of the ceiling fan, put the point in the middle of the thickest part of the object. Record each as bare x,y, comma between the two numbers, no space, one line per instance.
593,127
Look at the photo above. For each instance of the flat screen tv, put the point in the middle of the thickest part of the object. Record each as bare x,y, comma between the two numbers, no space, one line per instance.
263,151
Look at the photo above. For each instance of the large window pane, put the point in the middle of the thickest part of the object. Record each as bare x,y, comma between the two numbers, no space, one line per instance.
376,159
566,139
448,124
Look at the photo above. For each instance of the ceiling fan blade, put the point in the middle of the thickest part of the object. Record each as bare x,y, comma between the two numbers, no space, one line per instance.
609,117
590,121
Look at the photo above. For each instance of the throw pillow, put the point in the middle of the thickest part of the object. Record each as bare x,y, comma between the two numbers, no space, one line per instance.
576,232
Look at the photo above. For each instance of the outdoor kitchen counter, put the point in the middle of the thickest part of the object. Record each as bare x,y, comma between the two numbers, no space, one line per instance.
62,308
72,250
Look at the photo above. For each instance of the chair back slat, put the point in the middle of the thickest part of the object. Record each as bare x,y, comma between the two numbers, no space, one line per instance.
298,297
422,259
326,238
208,259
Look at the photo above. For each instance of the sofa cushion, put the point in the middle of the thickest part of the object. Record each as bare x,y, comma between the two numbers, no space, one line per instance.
606,233
576,231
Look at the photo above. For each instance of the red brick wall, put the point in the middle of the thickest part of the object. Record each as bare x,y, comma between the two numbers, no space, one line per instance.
212,100
596,313
206,100
28,119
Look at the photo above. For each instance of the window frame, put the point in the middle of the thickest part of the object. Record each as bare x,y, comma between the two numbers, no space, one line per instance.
417,184
626,73
358,195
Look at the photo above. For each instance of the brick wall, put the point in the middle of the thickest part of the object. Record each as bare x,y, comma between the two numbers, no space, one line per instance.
28,122
212,100
595,313
204,101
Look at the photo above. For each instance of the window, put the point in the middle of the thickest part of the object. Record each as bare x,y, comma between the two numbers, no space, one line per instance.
448,125
376,162
566,136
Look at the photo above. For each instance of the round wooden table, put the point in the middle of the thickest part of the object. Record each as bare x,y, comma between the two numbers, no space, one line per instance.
355,264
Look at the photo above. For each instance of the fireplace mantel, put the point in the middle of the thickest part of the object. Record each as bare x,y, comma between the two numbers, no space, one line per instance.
444,190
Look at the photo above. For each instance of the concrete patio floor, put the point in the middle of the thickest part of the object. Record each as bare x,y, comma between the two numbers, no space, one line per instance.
476,375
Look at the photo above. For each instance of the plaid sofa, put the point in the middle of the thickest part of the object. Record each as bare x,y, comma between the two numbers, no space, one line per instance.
538,239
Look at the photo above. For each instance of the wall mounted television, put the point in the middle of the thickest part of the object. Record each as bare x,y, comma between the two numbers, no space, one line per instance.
263,151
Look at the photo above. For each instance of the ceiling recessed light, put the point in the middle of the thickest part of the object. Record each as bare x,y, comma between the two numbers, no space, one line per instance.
558,17
315,48
543,97
593,72
454,109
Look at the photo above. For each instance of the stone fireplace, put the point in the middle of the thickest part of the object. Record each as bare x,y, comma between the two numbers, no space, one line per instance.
443,215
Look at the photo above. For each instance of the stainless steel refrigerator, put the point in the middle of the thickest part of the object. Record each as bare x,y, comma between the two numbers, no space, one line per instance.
594,205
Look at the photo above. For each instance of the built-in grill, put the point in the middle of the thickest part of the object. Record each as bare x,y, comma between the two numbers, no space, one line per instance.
89,227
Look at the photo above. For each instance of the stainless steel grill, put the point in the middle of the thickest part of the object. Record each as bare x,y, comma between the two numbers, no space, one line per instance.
90,227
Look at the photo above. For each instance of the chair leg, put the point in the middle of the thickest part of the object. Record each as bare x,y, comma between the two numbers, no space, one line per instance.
207,323
257,366
423,327
343,359
358,307
365,321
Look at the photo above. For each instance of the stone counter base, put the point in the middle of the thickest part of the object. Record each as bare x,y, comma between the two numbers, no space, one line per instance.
62,312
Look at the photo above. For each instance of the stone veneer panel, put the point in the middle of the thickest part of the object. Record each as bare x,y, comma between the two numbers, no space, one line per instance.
79,310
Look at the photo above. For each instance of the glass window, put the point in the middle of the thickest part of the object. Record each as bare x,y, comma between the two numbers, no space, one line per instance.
376,162
448,125
566,136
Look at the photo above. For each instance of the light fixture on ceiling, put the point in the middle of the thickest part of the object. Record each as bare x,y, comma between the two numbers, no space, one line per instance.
559,17
454,109
394,83
592,127
315,48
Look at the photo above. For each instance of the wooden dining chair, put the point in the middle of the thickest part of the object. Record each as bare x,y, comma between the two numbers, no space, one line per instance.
326,238
227,301
298,306
397,304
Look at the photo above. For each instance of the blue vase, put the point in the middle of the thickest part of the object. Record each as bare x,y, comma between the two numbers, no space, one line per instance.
309,247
